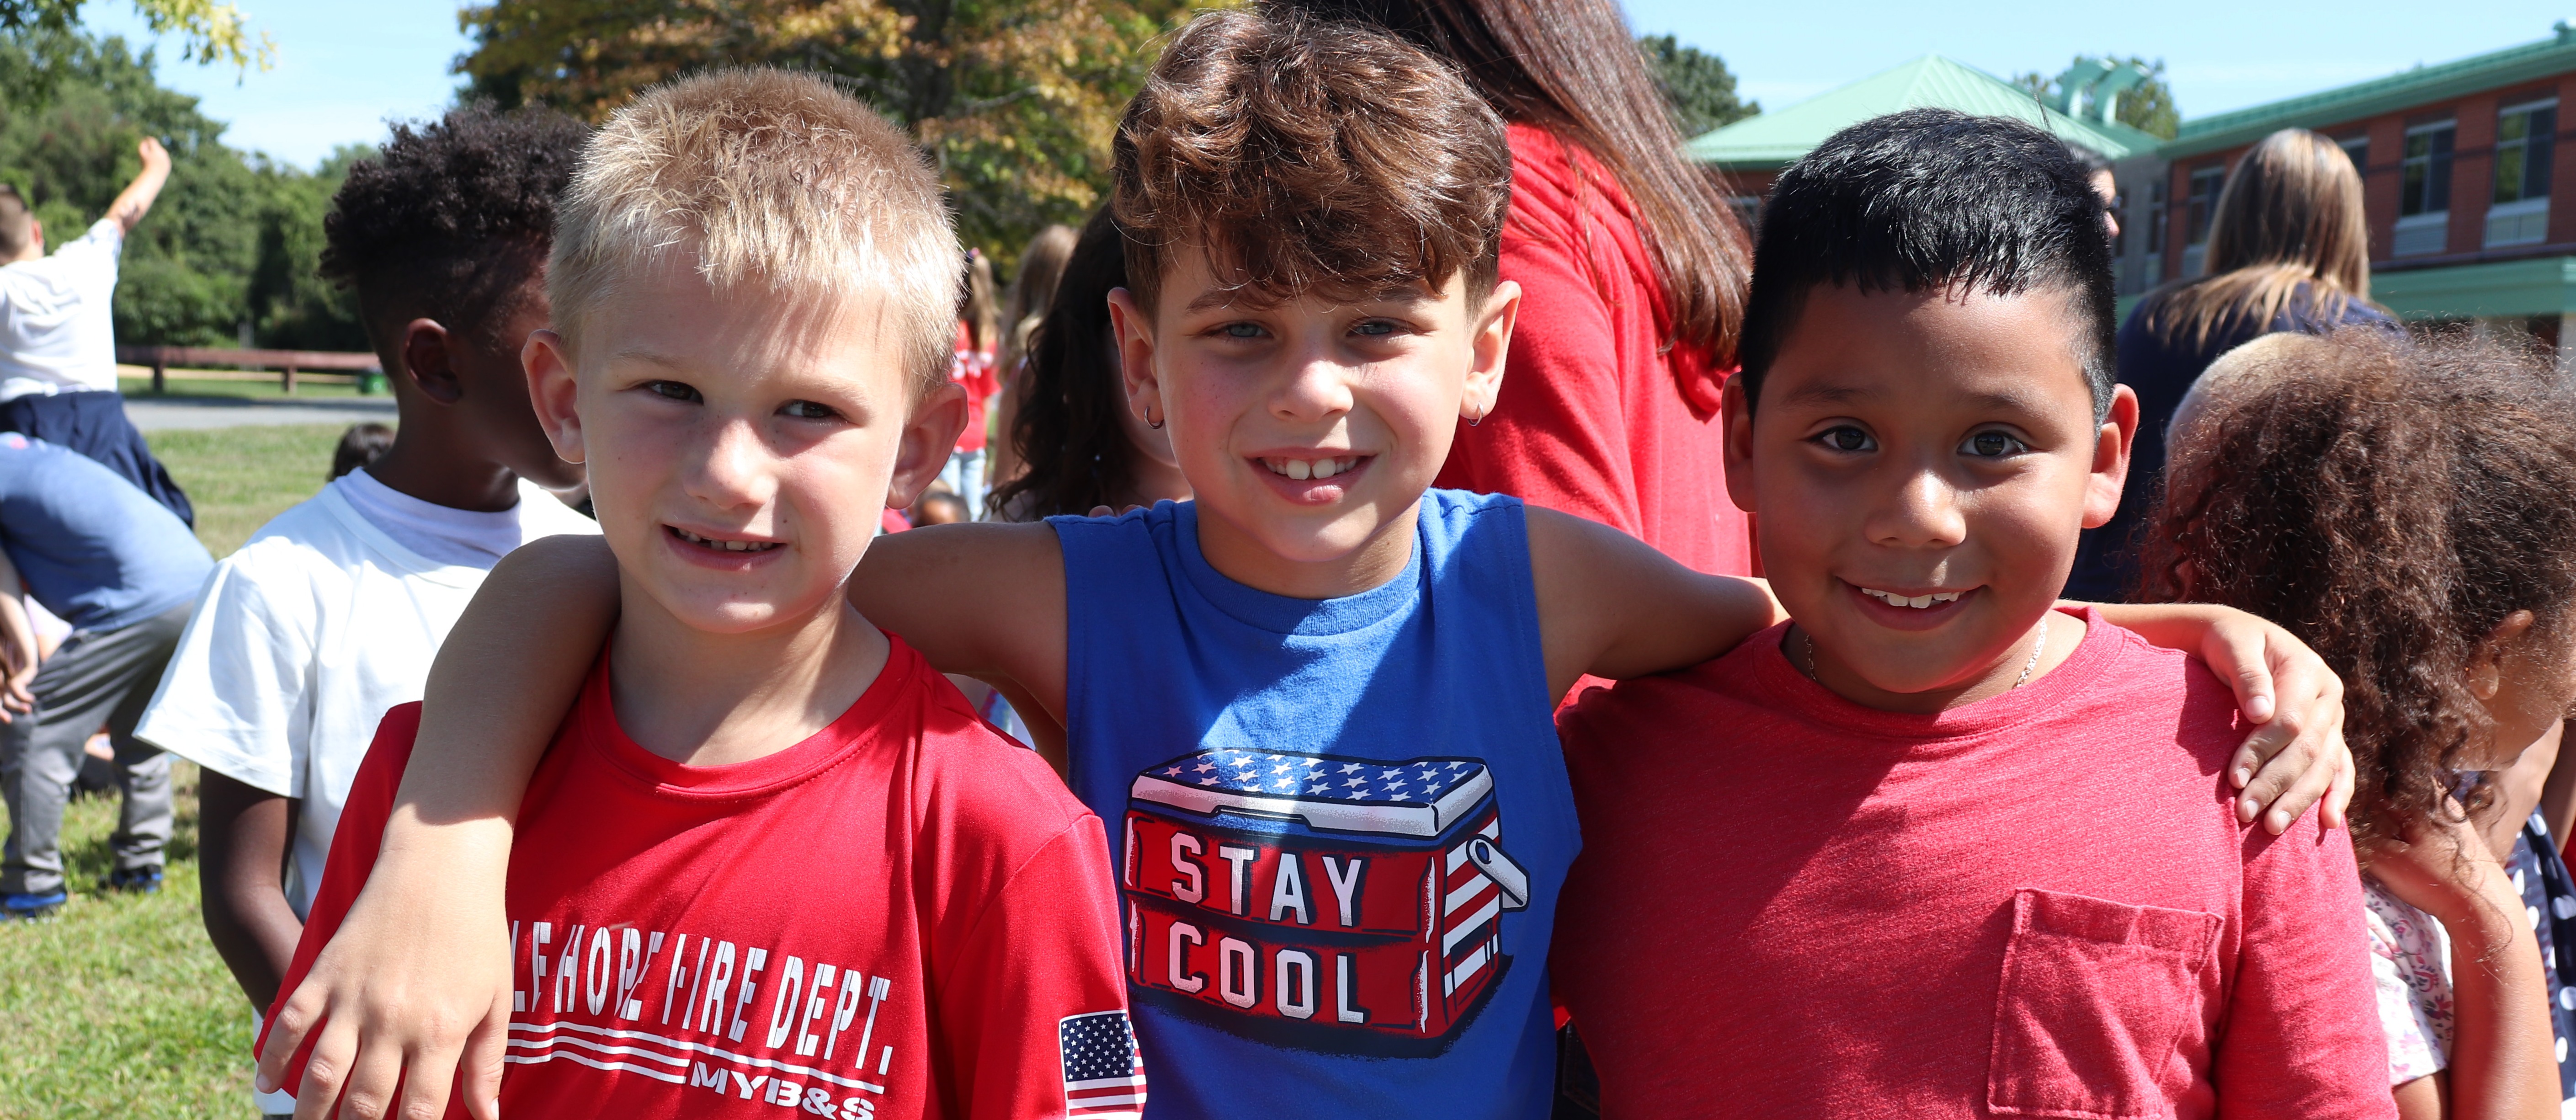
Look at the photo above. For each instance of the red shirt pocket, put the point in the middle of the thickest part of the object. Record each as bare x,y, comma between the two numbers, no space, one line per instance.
2093,999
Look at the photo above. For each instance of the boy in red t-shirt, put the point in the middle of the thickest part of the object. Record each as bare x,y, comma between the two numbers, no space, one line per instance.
772,860
1834,873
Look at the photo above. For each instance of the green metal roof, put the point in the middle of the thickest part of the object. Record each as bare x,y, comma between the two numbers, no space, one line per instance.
1777,138
2419,86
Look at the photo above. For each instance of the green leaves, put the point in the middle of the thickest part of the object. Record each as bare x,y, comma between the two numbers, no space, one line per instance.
232,240
1696,84
1015,99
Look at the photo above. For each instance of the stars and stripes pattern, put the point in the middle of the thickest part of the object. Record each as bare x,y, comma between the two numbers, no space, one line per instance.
1268,773
1104,1073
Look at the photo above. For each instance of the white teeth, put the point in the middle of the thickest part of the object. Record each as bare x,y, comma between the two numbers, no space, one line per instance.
1327,468
1918,602
1297,469
728,546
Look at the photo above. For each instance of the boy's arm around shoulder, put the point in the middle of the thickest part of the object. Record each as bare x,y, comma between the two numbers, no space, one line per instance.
1025,954
980,599
417,978
2302,1035
1609,605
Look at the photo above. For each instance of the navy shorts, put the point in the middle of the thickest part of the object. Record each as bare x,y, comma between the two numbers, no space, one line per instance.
93,422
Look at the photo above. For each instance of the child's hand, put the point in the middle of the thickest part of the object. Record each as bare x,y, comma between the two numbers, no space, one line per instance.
417,978
2444,869
2296,756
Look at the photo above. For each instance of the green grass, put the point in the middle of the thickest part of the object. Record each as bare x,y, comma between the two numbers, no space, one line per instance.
120,1008
240,477
140,388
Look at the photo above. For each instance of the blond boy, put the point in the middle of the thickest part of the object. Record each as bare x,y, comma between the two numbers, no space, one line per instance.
771,860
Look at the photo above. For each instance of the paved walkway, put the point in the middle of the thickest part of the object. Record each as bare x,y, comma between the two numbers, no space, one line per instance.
158,413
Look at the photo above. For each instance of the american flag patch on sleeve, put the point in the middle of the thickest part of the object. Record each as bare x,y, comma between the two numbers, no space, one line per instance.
1104,1075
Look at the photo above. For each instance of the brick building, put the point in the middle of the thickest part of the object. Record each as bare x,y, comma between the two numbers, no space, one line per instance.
2458,161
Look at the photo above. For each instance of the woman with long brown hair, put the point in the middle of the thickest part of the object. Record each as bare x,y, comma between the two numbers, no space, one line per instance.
1632,268
2289,250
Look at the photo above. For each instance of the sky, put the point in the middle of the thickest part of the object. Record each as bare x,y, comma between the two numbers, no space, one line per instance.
344,67
2218,55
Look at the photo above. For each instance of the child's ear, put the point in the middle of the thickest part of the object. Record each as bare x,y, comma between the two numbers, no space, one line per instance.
428,363
2111,445
1493,346
929,435
1735,408
2486,663
1135,335
553,390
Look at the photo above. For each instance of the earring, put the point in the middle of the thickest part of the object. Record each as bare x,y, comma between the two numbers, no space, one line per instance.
1480,418
1150,422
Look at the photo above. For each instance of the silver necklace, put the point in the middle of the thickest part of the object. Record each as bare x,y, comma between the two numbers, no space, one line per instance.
1807,646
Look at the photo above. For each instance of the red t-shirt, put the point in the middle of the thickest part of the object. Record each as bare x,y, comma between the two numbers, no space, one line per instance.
1594,418
2036,905
905,915
973,369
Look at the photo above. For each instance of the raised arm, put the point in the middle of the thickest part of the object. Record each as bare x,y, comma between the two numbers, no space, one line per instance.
420,971
131,203
138,197
1609,606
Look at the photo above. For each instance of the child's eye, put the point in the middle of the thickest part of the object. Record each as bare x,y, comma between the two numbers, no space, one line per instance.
1993,445
673,390
1242,330
1374,328
1846,438
808,410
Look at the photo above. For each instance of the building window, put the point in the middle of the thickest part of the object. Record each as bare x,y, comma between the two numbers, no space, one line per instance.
2158,216
2199,206
2525,136
2357,149
2424,191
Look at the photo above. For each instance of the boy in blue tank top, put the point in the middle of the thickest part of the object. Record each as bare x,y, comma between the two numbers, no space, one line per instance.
1314,707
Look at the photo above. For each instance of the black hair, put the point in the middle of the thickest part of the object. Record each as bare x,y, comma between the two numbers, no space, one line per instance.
362,444
453,217
1068,429
1924,199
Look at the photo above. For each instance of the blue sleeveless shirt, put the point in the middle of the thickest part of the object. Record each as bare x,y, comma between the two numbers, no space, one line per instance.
1339,825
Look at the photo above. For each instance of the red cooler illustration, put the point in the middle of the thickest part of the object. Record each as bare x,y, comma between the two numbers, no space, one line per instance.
1319,900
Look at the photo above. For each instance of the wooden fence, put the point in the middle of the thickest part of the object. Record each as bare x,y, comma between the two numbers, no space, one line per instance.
288,363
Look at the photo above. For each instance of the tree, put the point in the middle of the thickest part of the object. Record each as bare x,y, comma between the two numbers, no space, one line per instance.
232,240
208,33
1016,100
2147,107
1696,84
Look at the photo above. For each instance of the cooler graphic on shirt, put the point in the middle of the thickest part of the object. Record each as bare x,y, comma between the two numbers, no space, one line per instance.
1319,901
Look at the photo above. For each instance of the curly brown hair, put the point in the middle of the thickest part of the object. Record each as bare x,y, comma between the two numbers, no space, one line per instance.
2390,500
1305,155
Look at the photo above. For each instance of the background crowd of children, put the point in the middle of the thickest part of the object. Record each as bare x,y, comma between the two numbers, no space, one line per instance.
1357,508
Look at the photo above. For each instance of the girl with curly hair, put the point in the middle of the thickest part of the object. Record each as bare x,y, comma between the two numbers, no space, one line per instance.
2408,507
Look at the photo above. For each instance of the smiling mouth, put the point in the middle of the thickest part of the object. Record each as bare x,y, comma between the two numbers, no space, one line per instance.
723,546
1918,602
1301,470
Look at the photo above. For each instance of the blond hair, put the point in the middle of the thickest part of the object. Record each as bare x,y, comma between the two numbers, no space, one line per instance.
2291,214
774,182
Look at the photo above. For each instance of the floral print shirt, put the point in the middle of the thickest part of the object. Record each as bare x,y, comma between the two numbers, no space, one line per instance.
2410,966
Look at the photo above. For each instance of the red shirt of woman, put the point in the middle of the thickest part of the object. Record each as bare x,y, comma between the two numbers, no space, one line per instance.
1596,417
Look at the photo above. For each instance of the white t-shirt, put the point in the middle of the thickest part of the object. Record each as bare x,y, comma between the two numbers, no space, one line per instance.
57,327
440,534
301,642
